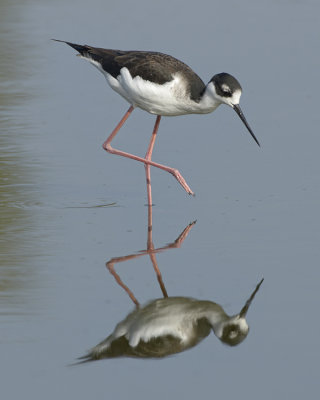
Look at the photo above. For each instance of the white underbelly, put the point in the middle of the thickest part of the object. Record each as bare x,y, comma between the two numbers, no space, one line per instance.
168,99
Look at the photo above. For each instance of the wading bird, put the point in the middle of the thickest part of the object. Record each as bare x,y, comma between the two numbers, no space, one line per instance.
161,85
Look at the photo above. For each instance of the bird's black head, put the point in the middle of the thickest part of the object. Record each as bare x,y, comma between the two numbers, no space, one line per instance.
228,90
226,85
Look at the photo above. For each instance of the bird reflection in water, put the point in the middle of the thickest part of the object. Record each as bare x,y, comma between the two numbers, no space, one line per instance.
168,325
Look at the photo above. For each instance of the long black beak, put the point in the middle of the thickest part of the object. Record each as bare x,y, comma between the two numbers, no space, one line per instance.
238,110
245,309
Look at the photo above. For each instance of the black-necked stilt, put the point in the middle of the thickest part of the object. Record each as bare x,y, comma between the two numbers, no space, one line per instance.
171,325
161,85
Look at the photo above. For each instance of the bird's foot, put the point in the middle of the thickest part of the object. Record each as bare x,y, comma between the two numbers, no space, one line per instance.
182,181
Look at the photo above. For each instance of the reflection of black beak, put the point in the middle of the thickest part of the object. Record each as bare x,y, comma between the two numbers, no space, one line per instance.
245,309
238,110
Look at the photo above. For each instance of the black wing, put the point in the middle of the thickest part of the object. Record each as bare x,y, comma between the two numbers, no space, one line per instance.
151,66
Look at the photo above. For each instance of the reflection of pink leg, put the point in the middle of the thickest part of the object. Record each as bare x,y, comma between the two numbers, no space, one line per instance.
150,246
119,281
180,239
158,273
151,251
107,146
148,157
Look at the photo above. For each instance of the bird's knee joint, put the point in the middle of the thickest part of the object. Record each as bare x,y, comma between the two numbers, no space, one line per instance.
175,172
107,147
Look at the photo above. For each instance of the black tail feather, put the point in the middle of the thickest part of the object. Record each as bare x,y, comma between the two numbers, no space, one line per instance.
81,49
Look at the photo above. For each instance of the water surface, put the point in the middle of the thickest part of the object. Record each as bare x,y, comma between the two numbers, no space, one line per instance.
68,208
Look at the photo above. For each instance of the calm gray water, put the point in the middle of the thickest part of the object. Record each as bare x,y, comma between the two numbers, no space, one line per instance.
67,207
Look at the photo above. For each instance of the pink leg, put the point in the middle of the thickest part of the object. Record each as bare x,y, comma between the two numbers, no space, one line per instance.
148,179
148,157
107,146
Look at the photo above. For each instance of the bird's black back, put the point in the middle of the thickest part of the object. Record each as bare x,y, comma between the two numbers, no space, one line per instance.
151,66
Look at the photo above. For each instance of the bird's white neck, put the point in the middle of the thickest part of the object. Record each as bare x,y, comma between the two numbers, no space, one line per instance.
209,100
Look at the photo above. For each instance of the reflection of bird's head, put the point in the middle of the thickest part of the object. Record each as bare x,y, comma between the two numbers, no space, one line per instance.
233,331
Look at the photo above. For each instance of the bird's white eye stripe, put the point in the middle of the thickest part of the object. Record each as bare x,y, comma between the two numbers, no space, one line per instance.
225,88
